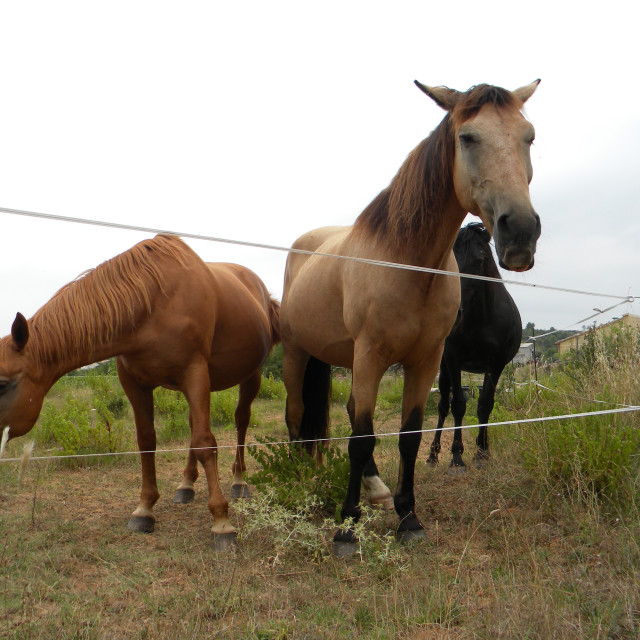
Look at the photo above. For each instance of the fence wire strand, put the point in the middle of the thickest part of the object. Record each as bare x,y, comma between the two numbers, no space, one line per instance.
127,227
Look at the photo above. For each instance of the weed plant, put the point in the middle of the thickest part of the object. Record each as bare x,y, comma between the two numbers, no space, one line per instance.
272,388
593,456
293,476
79,428
298,527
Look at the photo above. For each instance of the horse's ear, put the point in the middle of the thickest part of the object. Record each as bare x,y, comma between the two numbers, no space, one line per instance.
524,93
20,332
442,96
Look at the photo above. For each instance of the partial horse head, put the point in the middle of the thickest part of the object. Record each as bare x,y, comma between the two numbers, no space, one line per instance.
473,251
492,166
21,395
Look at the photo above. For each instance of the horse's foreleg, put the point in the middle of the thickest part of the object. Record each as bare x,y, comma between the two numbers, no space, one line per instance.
367,372
185,492
377,491
485,407
444,385
248,391
458,409
417,384
142,519
196,388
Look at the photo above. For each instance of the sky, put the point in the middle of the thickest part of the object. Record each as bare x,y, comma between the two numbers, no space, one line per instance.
259,121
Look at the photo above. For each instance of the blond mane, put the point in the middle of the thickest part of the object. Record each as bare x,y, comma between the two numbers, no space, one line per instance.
105,301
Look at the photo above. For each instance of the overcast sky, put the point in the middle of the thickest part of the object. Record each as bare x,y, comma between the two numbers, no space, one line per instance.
259,121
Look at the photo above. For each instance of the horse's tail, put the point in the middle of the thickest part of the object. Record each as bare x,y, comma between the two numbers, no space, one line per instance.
316,394
274,321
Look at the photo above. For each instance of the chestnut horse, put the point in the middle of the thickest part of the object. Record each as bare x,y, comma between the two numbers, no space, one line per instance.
366,318
172,320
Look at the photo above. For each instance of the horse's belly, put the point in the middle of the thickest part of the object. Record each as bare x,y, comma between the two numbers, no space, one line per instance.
311,319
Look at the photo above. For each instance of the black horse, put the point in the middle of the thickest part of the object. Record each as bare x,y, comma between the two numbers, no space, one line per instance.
485,337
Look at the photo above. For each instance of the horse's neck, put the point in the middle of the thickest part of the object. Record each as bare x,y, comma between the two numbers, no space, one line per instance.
433,249
56,360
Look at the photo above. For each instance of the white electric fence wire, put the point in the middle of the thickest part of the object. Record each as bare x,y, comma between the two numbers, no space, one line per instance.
571,395
382,263
623,300
573,324
255,445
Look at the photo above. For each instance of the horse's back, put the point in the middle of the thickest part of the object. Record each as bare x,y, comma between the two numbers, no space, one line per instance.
310,241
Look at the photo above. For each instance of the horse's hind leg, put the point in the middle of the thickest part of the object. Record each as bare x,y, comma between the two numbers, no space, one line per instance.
143,520
294,363
185,492
485,407
444,385
248,392
376,490
196,388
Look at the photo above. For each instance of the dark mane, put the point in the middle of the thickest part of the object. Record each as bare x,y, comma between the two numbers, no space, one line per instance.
475,234
103,301
417,194
478,96
411,205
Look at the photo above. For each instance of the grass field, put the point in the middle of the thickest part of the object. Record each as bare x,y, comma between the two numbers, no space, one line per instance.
542,543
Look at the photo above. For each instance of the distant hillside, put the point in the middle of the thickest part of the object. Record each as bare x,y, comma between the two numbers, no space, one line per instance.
545,345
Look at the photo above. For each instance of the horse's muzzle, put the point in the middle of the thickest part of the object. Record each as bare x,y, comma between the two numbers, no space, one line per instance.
517,261
516,236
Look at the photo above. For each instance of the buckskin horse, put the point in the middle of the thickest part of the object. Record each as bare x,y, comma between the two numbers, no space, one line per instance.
172,320
367,317
485,338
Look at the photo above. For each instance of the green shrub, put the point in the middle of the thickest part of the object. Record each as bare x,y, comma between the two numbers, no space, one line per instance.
79,429
294,475
171,412
272,388
110,393
340,388
594,455
273,364
223,407
390,393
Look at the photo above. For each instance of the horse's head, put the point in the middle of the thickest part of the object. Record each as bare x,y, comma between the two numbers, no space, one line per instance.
473,251
20,394
492,166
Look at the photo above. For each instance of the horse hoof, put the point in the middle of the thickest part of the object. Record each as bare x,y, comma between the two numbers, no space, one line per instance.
407,536
481,459
224,542
431,462
343,549
184,496
457,470
239,491
141,524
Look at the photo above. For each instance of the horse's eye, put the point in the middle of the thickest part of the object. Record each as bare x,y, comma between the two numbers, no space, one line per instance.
4,385
466,139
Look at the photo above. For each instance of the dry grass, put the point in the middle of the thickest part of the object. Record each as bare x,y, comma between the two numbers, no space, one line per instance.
502,559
